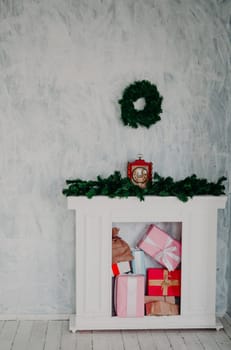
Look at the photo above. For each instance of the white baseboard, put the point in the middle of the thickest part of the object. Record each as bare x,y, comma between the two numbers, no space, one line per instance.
34,317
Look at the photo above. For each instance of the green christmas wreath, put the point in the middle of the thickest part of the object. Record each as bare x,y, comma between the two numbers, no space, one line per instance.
116,186
150,113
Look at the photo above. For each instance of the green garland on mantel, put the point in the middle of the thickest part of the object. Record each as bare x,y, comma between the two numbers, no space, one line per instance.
116,186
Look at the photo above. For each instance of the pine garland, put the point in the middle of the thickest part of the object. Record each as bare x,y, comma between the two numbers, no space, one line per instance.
116,186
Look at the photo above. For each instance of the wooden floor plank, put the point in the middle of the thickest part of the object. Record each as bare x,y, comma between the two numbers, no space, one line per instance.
53,337
68,339
130,340
206,338
176,340
115,340
226,321
22,336
1,325
191,340
102,340
145,340
222,340
160,340
38,335
8,334
84,340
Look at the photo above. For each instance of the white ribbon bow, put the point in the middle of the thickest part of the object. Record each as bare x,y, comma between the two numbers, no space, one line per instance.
167,252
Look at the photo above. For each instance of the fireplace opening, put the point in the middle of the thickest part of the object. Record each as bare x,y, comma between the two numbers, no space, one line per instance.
146,269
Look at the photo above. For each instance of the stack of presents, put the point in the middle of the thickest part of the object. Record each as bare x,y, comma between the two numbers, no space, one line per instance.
139,291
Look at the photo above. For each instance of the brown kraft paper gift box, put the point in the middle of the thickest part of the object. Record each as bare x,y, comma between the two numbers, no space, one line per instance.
150,298
161,308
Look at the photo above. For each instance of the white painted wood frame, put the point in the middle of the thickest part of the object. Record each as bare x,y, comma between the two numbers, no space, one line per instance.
94,218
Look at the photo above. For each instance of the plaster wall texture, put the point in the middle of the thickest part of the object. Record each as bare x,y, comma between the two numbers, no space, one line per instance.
63,67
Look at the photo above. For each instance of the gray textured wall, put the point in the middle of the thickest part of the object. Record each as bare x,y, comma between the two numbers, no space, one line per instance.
63,66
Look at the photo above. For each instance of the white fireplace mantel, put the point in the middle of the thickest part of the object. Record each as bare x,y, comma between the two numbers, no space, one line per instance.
94,218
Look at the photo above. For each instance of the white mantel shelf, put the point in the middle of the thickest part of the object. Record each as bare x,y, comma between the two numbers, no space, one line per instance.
94,218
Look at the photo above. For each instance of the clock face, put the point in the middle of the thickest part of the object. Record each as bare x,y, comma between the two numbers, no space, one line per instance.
139,172
140,175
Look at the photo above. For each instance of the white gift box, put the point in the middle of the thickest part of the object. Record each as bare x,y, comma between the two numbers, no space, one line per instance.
120,268
138,264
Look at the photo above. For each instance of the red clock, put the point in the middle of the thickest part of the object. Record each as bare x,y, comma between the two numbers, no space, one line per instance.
140,172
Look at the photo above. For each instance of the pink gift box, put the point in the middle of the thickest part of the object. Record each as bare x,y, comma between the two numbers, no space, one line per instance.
129,295
161,247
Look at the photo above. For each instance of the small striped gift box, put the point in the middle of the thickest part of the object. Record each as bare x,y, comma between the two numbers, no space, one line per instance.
129,295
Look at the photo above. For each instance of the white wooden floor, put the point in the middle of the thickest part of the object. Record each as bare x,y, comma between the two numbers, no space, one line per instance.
54,335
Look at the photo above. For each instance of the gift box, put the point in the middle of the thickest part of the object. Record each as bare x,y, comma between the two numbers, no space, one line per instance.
161,247
161,308
120,268
137,264
161,282
129,295
167,299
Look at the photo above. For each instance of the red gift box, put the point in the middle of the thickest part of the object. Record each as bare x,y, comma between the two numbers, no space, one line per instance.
163,282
